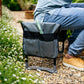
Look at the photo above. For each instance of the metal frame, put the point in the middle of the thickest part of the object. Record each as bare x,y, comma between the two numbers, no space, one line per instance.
41,68
44,68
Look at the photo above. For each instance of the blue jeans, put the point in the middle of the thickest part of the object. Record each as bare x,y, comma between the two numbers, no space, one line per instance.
78,45
70,18
75,32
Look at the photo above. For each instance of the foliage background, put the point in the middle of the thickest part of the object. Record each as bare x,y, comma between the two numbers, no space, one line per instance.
17,5
78,1
11,4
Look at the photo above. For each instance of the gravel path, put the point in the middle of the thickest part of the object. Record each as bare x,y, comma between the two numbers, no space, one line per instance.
64,75
19,16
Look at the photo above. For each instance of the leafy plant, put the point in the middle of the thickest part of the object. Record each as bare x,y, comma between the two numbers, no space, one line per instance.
26,4
12,68
11,4
19,21
78,1
34,1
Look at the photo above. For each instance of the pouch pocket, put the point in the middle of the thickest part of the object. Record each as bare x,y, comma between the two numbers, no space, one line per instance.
47,49
31,47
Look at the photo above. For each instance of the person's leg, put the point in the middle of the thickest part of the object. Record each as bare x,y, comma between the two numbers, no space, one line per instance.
72,38
75,48
69,18
76,32
80,5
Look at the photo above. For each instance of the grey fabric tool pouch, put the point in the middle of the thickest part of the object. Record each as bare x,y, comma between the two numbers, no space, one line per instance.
41,45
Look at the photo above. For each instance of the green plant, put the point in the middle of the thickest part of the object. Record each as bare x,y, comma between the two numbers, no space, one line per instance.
24,4
34,1
12,68
11,4
12,72
78,1
69,32
19,21
6,13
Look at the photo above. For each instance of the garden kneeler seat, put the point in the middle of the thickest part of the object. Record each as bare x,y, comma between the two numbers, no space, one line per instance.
40,42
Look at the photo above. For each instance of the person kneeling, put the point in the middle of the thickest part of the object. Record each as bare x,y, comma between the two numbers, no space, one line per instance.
71,59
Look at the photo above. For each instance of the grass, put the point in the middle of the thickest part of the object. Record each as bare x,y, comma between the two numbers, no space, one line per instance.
12,68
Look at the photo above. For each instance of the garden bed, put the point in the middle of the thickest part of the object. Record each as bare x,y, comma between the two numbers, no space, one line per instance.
12,68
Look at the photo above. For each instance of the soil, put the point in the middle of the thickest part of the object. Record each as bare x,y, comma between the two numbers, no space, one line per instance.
64,75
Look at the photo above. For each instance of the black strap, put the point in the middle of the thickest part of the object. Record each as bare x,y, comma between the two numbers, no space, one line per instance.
37,35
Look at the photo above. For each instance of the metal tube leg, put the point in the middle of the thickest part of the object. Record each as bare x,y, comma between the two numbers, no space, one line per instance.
63,47
26,61
54,67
